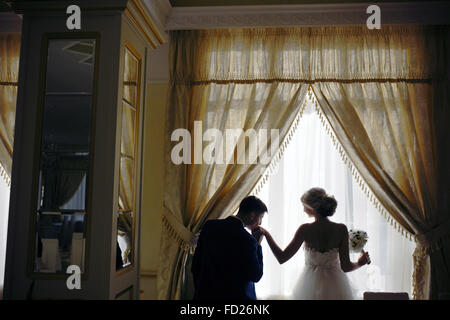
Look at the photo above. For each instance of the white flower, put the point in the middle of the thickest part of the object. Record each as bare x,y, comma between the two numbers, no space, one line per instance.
357,239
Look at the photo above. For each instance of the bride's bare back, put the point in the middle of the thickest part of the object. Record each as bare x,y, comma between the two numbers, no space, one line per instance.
323,235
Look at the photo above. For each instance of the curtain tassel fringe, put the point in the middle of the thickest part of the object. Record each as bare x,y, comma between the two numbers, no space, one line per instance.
271,168
5,175
356,175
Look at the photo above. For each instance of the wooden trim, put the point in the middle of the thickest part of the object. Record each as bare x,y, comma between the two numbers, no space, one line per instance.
134,52
122,292
148,22
138,25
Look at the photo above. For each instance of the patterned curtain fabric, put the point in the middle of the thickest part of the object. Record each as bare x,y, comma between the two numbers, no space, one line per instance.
198,191
301,54
393,142
9,70
383,92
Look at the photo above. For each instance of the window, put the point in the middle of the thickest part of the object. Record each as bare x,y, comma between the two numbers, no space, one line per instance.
311,160
4,213
128,158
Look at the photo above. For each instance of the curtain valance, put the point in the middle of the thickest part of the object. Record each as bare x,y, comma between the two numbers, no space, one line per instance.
394,53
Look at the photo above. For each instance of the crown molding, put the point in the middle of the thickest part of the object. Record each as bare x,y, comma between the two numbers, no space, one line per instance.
159,10
144,19
183,18
154,14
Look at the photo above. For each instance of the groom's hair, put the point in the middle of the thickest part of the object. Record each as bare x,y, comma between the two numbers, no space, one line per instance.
251,204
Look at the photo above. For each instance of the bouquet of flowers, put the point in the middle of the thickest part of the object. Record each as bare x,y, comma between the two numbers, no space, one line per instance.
357,240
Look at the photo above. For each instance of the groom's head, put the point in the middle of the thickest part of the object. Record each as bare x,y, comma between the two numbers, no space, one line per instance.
251,211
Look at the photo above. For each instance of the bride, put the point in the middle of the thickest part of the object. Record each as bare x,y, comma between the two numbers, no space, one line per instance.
326,251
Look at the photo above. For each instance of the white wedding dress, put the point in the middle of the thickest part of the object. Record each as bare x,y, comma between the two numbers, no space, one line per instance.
322,278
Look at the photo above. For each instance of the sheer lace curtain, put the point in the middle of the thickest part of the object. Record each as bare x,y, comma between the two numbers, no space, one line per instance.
4,205
9,68
311,159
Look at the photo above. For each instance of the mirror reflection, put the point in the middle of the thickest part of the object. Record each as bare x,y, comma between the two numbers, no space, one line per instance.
64,158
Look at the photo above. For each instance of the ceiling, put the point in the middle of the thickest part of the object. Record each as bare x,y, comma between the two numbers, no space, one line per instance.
199,3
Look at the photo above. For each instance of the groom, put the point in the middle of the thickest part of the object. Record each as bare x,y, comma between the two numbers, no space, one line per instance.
228,259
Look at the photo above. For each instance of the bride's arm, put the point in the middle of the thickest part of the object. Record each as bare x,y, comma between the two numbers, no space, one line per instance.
284,255
344,254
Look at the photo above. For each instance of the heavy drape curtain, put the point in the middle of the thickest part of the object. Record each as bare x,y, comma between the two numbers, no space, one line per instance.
9,73
213,189
394,145
383,92
70,173
63,181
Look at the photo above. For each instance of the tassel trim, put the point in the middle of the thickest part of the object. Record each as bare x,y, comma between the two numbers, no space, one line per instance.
273,166
5,175
417,274
184,245
355,173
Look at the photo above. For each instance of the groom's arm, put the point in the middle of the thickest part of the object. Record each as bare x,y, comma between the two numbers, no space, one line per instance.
253,263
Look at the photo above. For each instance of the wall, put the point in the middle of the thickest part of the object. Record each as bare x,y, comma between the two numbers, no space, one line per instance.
153,169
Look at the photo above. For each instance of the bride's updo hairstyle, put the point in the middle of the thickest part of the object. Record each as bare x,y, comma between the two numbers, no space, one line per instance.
317,199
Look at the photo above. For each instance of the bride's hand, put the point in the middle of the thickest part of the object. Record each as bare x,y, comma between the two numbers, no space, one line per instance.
364,258
258,234
262,230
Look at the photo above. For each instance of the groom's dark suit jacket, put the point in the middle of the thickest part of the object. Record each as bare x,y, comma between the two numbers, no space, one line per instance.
227,262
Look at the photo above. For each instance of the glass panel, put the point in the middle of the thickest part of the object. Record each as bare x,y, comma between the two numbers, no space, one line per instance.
70,66
64,159
78,200
126,189
60,241
130,93
124,239
128,130
67,122
63,189
131,75
130,116
131,67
